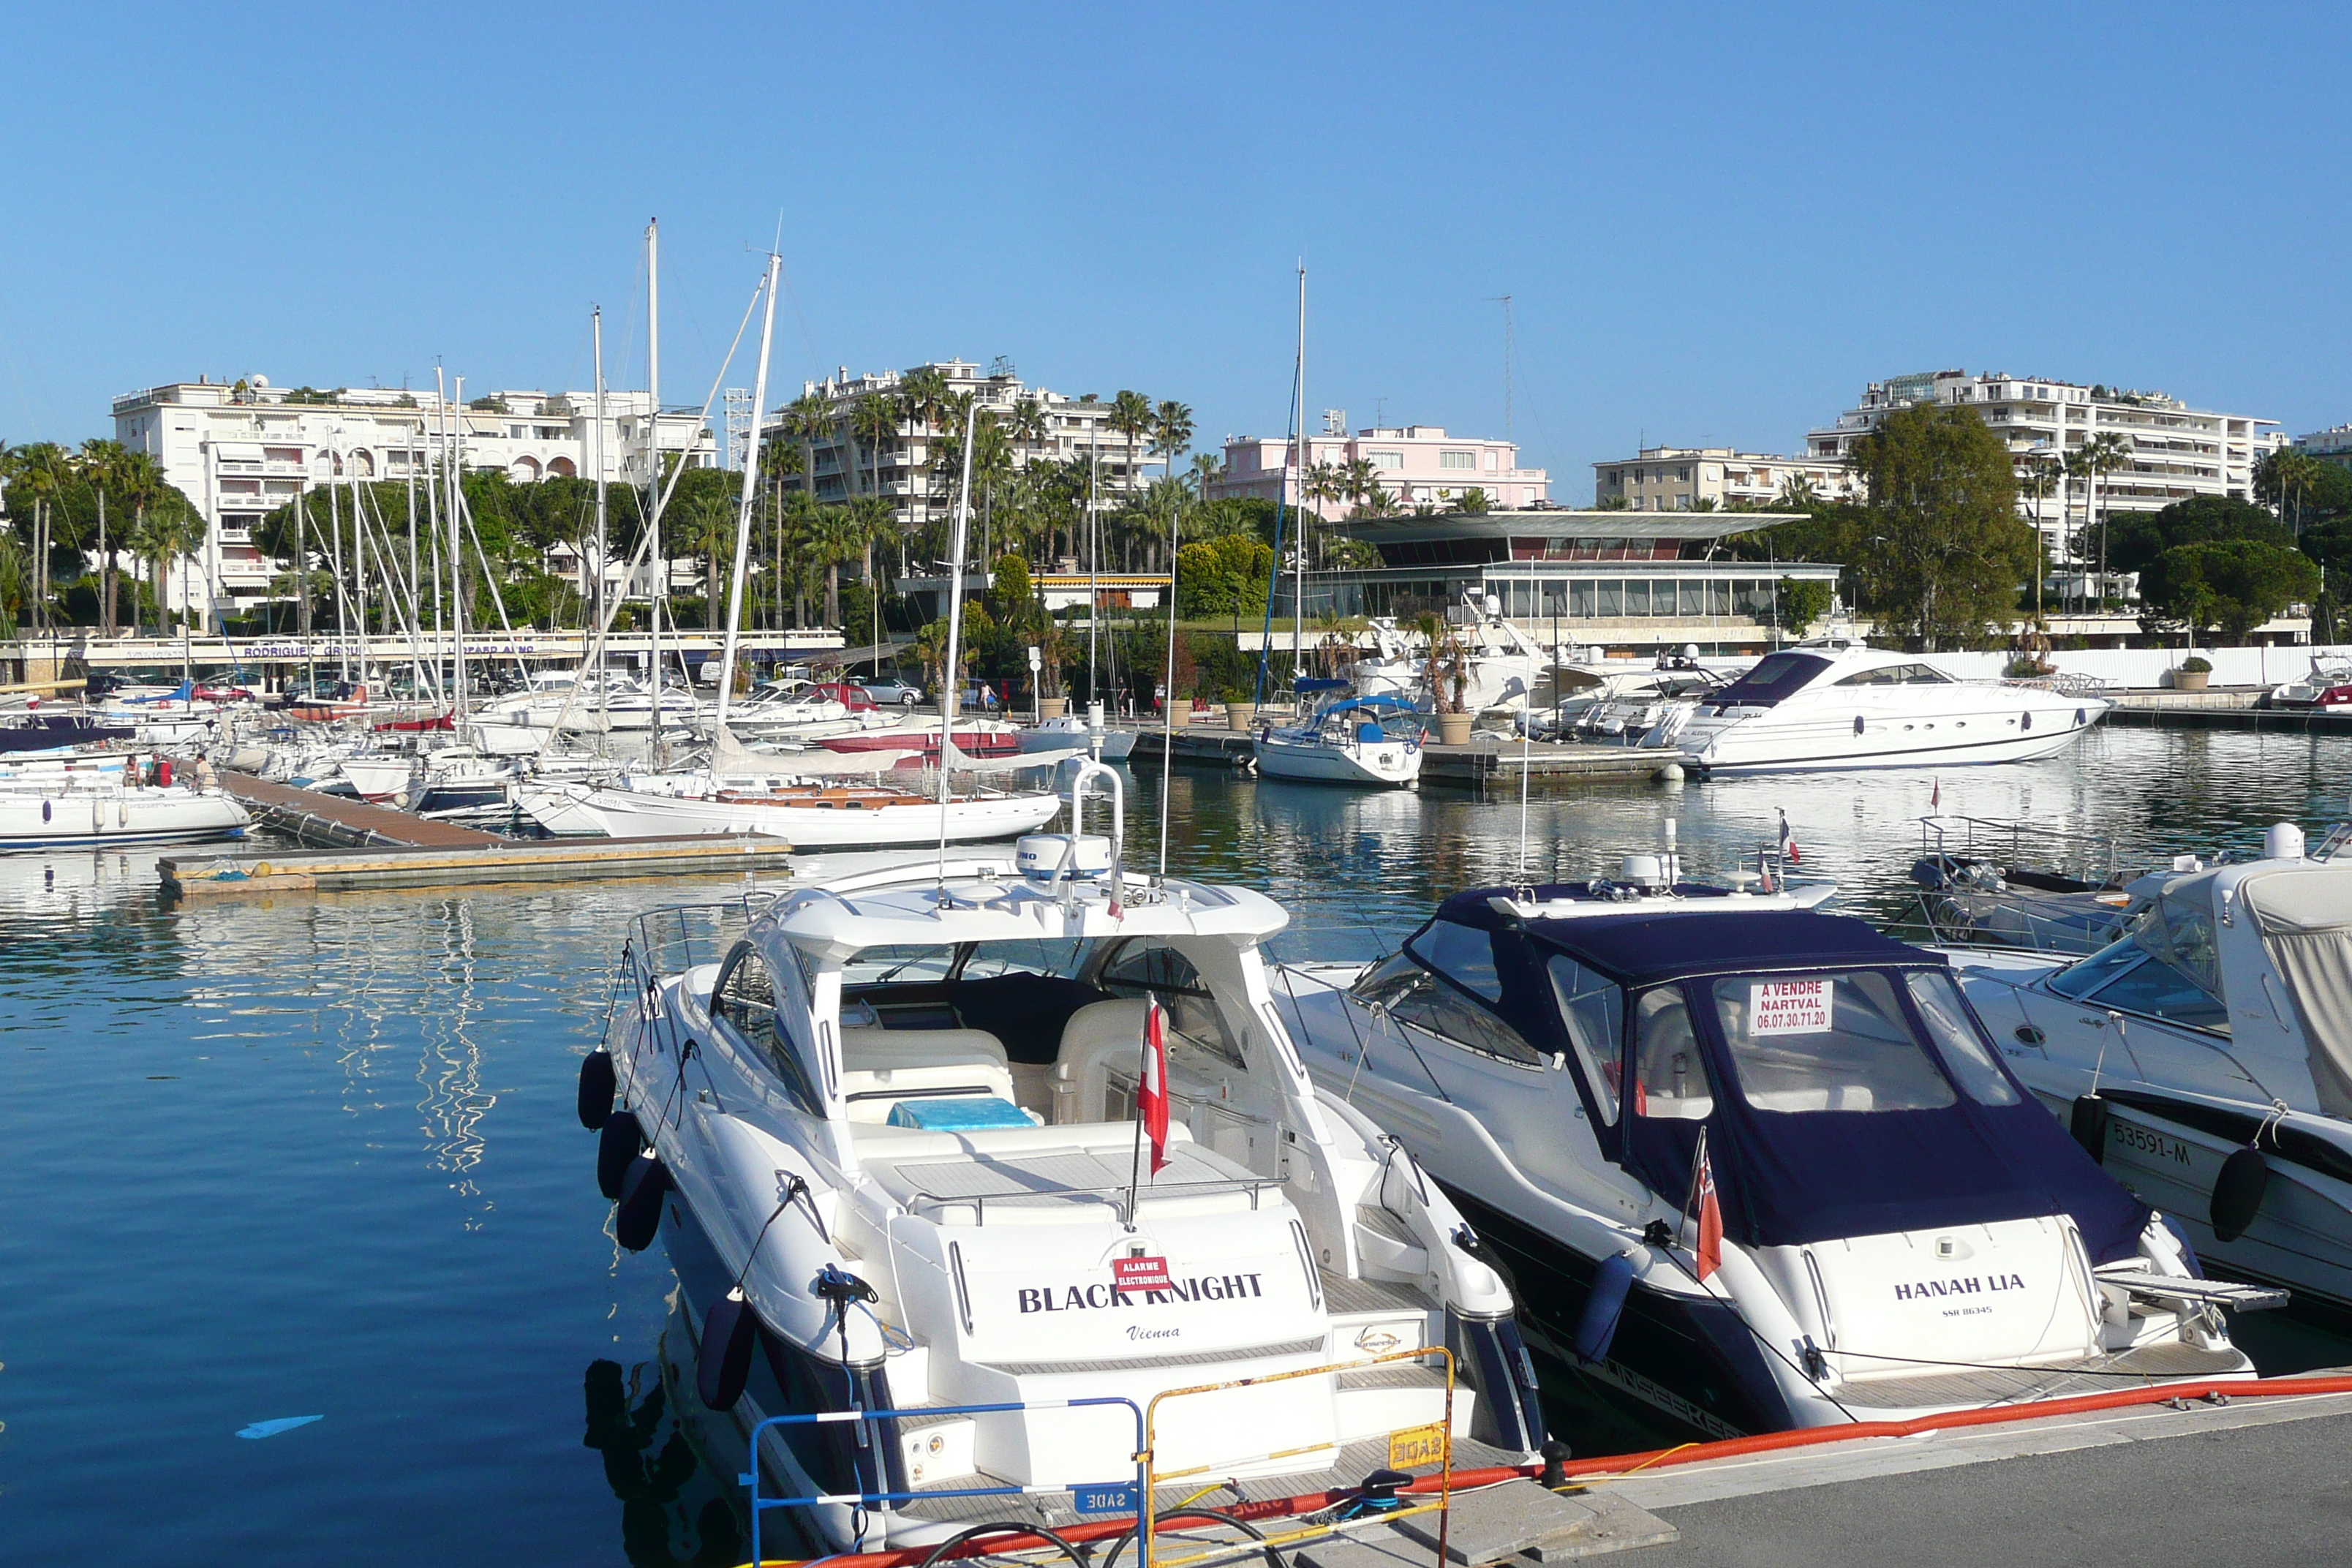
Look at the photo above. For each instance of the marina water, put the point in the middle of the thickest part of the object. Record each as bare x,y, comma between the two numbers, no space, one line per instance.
318,1156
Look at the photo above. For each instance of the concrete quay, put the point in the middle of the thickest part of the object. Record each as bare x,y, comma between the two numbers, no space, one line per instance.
2230,708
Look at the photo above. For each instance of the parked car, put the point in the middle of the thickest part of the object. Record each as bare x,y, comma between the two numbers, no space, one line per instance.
890,692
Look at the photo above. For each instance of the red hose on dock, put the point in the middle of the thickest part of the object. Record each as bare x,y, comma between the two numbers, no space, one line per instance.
1658,1459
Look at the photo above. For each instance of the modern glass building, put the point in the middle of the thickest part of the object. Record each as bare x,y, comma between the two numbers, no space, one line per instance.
1624,579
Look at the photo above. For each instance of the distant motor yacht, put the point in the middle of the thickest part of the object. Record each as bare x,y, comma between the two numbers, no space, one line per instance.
2205,1056
973,1144
75,802
1842,704
1596,1072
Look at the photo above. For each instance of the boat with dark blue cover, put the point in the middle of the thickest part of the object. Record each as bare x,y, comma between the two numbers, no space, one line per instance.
1590,1070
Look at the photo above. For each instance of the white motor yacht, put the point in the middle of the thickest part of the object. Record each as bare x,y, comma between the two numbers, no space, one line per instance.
1345,742
2205,1057
1841,704
888,1128
1756,1164
810,812
1499,665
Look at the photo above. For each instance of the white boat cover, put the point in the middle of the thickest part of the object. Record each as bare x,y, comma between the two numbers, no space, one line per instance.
2305,919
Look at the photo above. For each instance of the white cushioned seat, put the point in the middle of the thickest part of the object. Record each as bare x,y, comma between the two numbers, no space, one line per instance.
1098,1036
881,1066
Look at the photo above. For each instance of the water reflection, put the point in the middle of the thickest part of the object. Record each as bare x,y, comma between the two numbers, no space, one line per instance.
670,1514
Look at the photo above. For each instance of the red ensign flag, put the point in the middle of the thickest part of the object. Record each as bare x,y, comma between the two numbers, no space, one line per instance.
1710,1217
1151,1094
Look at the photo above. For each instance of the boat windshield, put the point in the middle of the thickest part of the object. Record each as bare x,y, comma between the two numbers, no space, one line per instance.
1776,676
2163,966
1826,1042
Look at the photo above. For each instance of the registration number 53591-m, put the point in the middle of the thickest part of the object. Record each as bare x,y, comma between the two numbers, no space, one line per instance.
2155,1146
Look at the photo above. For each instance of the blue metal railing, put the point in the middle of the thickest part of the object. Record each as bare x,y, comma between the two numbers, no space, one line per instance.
1089,1497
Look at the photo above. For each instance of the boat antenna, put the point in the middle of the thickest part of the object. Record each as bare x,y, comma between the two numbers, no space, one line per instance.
719,736
950,675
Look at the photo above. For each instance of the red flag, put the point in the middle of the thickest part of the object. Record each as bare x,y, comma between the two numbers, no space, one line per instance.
1710,1217
1936,799
1151,1094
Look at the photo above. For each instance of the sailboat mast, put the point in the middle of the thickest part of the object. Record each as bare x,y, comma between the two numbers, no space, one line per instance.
1298,414
596,443
743,516
952,676
1094,563
454,420
654,474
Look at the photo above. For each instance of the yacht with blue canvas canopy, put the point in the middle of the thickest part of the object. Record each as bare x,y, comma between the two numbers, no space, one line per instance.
1756,1164
1346,739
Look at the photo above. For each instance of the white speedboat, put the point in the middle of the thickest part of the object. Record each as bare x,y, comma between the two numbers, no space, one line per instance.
1345,742
2205,1057
1072,729
1845,705
1005,1151
1499,665
2307,690
137,799
1902,1229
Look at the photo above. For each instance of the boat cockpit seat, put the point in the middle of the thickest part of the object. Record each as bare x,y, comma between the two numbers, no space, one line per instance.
879,1067
1099,1038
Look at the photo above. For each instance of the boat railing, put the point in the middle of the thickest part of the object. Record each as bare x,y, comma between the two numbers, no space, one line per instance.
2086,856
1124,1496
666,942
1117,1197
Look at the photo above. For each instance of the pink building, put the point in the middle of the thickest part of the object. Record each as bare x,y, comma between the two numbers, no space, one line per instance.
1419,465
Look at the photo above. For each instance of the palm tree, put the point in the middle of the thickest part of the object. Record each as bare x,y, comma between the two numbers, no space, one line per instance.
1205,471
168,534
100,464
1797,494
1027,428
1323,483
808,419
1358,481
1171,431
705,526
876,418
2092,460
2037,477
835,539
926,398
1131,415
42,471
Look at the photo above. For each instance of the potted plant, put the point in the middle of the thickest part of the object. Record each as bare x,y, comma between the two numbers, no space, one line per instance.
1240,711
1447,672
1053,698
2194,672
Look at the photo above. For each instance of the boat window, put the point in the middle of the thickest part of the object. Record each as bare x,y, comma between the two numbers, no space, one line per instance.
1143,969
1459,1021
1826,1042
905,963
1966,1055
1388,979
745,1001
1669,1082
2164,967
1898,675
1462,955
1023,955
1775,676
1592,1010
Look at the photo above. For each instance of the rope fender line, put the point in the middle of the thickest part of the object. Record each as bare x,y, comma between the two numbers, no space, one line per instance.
1620,1465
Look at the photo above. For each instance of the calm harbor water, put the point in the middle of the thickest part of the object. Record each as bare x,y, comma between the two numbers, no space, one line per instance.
318,1157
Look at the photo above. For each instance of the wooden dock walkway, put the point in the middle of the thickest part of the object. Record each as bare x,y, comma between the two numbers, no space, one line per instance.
340,822
350,845
1479,765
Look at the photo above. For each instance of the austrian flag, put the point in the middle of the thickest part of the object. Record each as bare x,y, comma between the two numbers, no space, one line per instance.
1151,1093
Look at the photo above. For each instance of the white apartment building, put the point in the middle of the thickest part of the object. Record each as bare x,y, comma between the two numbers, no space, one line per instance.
1679,479
2334,444
242,450
2176,451
1417,465
900,470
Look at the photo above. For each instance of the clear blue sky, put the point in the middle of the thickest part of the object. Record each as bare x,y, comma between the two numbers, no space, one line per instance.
1718,221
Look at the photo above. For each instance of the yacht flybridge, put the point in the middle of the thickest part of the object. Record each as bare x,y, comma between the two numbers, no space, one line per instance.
889,1132
1758,1165
1838,703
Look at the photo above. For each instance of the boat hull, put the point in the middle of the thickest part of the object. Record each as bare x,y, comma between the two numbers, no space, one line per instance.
625,814
77,818
1383,764
1832,743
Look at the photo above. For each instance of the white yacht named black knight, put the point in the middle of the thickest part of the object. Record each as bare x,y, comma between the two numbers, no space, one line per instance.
889,1132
